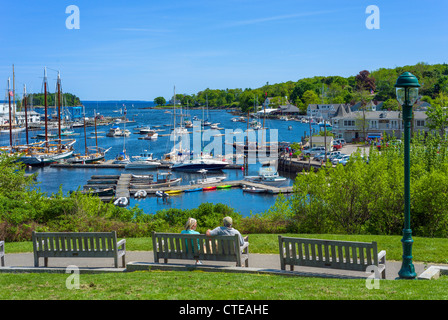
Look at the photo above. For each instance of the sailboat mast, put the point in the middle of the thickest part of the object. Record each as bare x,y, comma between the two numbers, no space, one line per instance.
26,114
10,122
13,94
85,134
174,115
59,109
96,137
46,106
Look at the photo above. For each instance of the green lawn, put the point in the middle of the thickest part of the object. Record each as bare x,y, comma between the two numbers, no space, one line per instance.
197,285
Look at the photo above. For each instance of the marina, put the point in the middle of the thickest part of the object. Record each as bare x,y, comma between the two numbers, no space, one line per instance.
73,175
124,188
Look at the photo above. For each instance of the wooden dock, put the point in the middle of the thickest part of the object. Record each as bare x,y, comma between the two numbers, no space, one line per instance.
125,186
232,183
108,164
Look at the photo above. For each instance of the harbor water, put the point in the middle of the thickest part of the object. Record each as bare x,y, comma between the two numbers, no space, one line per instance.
51,179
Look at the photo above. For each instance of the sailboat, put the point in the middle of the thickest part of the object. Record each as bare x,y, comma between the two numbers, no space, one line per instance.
122,157
178,153
92,154
48,151
203,161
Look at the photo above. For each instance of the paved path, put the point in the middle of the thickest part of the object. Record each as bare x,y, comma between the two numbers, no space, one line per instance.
266,262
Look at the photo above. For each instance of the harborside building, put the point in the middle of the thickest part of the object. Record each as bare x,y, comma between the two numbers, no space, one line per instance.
356,126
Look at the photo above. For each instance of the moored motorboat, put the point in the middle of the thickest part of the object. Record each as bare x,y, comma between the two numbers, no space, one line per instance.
253,189
268,176
121,202
140,194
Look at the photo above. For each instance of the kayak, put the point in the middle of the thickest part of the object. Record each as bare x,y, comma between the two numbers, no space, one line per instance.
209,188
193,190
173,191
224,187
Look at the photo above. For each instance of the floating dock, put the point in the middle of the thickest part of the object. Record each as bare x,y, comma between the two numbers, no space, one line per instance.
125,186
108,164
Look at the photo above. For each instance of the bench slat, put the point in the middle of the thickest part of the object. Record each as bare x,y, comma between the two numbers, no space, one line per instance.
73,244
334,254
196,246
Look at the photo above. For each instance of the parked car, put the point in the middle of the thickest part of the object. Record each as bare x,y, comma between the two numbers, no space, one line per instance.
336,146
339,158
340,141
344,160
314,151
320,156
333,154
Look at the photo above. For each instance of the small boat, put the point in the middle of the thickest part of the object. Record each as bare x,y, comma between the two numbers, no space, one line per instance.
268,176
253,189
143,161
99,192
206,180
150,135
224,187
121,158
170,192
162,194
142,176
209,188
121,202
193,190
140,194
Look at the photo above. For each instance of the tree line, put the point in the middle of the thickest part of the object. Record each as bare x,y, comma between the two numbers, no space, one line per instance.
38,99
377,85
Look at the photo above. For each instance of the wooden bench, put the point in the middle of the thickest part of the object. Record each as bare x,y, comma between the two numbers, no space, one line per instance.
2,253
78,244
199,247
318,253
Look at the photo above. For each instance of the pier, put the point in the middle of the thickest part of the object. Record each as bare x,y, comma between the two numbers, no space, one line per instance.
108,164
125,186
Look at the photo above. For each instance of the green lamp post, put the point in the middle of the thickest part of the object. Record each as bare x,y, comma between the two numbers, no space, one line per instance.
407,93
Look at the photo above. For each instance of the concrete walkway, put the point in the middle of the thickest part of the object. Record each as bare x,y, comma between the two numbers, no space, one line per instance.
144,260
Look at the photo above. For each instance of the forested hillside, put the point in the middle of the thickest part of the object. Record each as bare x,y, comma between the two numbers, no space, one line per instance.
378,84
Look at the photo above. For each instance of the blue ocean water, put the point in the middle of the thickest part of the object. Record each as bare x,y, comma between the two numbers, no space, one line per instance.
51,179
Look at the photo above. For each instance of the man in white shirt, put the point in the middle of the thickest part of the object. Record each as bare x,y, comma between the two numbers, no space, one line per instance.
226,230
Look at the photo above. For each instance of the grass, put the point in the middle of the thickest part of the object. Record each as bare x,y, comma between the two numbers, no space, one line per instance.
196,285
431,250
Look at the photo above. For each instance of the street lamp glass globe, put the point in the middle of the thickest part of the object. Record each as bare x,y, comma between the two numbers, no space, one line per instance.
412,95
401,95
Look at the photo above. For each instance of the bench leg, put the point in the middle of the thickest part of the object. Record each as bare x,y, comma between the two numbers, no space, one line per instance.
123,260
46,262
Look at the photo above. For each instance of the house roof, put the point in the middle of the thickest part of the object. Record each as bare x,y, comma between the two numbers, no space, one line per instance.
288,108
376,115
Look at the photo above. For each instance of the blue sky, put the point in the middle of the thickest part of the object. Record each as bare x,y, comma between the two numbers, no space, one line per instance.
142,49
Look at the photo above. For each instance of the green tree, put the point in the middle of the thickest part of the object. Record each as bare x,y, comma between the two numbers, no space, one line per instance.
160,101
310,97
438,114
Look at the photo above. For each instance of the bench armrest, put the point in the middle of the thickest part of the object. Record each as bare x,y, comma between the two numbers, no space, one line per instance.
121,243
244,247
382,257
